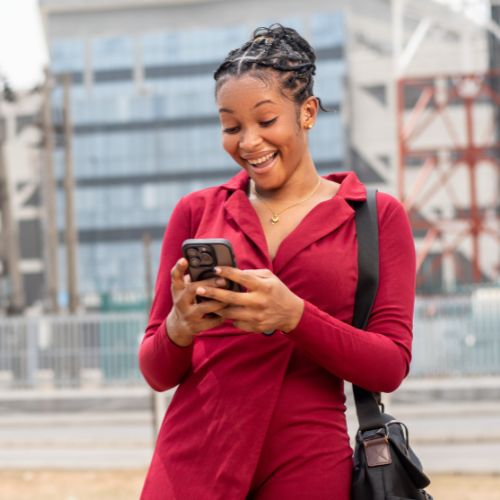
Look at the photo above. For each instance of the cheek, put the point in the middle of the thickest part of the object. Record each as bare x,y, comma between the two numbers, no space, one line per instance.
284,136
230,144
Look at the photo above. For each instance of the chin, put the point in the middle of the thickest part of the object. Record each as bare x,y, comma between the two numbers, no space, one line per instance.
268,184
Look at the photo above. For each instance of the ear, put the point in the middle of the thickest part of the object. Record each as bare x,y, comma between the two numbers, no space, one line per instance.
309,112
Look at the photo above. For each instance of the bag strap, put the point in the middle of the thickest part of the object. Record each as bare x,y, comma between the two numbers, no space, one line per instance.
367,403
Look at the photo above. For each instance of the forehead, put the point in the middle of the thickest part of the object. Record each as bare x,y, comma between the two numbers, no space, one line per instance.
247,90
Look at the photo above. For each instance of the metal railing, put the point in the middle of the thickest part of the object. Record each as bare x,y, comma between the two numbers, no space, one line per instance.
452,336
457,335
71,351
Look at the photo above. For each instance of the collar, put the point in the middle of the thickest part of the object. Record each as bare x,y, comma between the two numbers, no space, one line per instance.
351,188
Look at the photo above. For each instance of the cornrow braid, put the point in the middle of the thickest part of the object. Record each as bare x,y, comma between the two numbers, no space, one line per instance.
278,48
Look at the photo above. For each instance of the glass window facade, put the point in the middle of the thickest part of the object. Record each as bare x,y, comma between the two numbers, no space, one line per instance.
112,53
191,46
112,267
329,81
127,206
326,141
67,55
136,153
183,96
327,29
138,149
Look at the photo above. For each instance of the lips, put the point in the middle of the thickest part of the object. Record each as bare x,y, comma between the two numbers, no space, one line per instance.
263,161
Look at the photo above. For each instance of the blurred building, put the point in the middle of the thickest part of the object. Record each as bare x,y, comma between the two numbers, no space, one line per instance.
146,129
22,275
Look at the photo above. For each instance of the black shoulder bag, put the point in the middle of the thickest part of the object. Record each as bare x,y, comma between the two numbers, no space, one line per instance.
385,467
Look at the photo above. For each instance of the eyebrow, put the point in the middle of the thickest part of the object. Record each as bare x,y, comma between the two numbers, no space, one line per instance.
265,101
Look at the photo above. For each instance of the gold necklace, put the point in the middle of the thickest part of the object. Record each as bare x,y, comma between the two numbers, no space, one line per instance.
275,216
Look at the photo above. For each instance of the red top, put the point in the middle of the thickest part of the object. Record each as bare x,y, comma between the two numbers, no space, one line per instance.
233,383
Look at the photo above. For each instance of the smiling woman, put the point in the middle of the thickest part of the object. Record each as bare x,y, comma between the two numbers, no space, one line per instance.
262,134
23,51
263,416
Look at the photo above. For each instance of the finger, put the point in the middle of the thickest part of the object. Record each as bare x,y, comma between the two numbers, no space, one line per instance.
205,284
252,328
216,281
246,319
245,278
245,326
237,313
177,273
209,306
223,295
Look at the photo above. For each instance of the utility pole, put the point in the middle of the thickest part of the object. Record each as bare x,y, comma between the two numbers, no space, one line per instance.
148,273
157,400
10,235
71,236
494,48
48,178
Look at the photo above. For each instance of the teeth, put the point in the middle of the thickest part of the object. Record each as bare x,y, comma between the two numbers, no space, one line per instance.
261,160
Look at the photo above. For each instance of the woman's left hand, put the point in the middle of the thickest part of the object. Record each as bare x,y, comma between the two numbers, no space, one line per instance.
267,305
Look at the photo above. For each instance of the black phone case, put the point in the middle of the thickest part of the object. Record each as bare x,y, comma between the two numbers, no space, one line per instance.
205,254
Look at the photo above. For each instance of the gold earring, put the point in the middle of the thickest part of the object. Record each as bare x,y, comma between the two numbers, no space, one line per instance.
309,125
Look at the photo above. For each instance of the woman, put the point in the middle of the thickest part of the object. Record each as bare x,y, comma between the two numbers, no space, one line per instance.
262,416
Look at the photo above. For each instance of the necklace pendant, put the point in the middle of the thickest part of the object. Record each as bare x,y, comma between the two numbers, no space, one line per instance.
275,219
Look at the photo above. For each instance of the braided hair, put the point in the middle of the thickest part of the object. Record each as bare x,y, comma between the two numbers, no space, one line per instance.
280,49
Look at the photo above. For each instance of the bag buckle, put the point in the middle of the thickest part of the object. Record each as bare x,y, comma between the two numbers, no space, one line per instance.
377,449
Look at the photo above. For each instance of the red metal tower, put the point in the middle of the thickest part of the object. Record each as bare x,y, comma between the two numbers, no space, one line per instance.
447,125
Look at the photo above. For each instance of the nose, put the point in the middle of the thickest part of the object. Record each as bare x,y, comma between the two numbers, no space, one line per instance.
249,139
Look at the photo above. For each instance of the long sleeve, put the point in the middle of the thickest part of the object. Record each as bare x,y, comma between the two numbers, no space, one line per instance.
163,363
376,359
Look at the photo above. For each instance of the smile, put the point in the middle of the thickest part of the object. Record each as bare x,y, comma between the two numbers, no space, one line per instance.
263,164
261,160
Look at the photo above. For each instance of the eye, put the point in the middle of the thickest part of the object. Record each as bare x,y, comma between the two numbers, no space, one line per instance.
231,130
268,123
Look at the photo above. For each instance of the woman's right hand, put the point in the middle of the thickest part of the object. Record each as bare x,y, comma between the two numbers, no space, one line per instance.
188,317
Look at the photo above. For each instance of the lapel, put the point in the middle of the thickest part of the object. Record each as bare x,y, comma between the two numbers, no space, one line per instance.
319,222
239,209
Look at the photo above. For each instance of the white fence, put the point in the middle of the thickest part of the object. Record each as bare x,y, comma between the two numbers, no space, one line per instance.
452,336
65,351
457,335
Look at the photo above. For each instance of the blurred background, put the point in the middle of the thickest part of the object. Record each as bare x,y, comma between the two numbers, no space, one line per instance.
107,117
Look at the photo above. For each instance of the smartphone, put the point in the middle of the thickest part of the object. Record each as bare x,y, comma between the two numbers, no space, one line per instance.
205,254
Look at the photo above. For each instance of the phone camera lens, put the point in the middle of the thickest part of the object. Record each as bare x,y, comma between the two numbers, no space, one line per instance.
206,259
195,262
192,252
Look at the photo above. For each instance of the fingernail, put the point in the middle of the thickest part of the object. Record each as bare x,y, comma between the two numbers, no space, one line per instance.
201,291
220,282
217,270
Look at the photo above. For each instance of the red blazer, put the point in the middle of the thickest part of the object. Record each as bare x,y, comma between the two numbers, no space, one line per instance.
231,382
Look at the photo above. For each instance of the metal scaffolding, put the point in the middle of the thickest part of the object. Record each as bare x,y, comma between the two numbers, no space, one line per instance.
472,218
447,128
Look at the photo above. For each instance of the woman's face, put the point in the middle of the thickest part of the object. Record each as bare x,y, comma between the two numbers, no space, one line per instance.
263,130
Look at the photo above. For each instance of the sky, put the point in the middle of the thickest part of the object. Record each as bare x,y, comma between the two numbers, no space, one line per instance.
23,51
